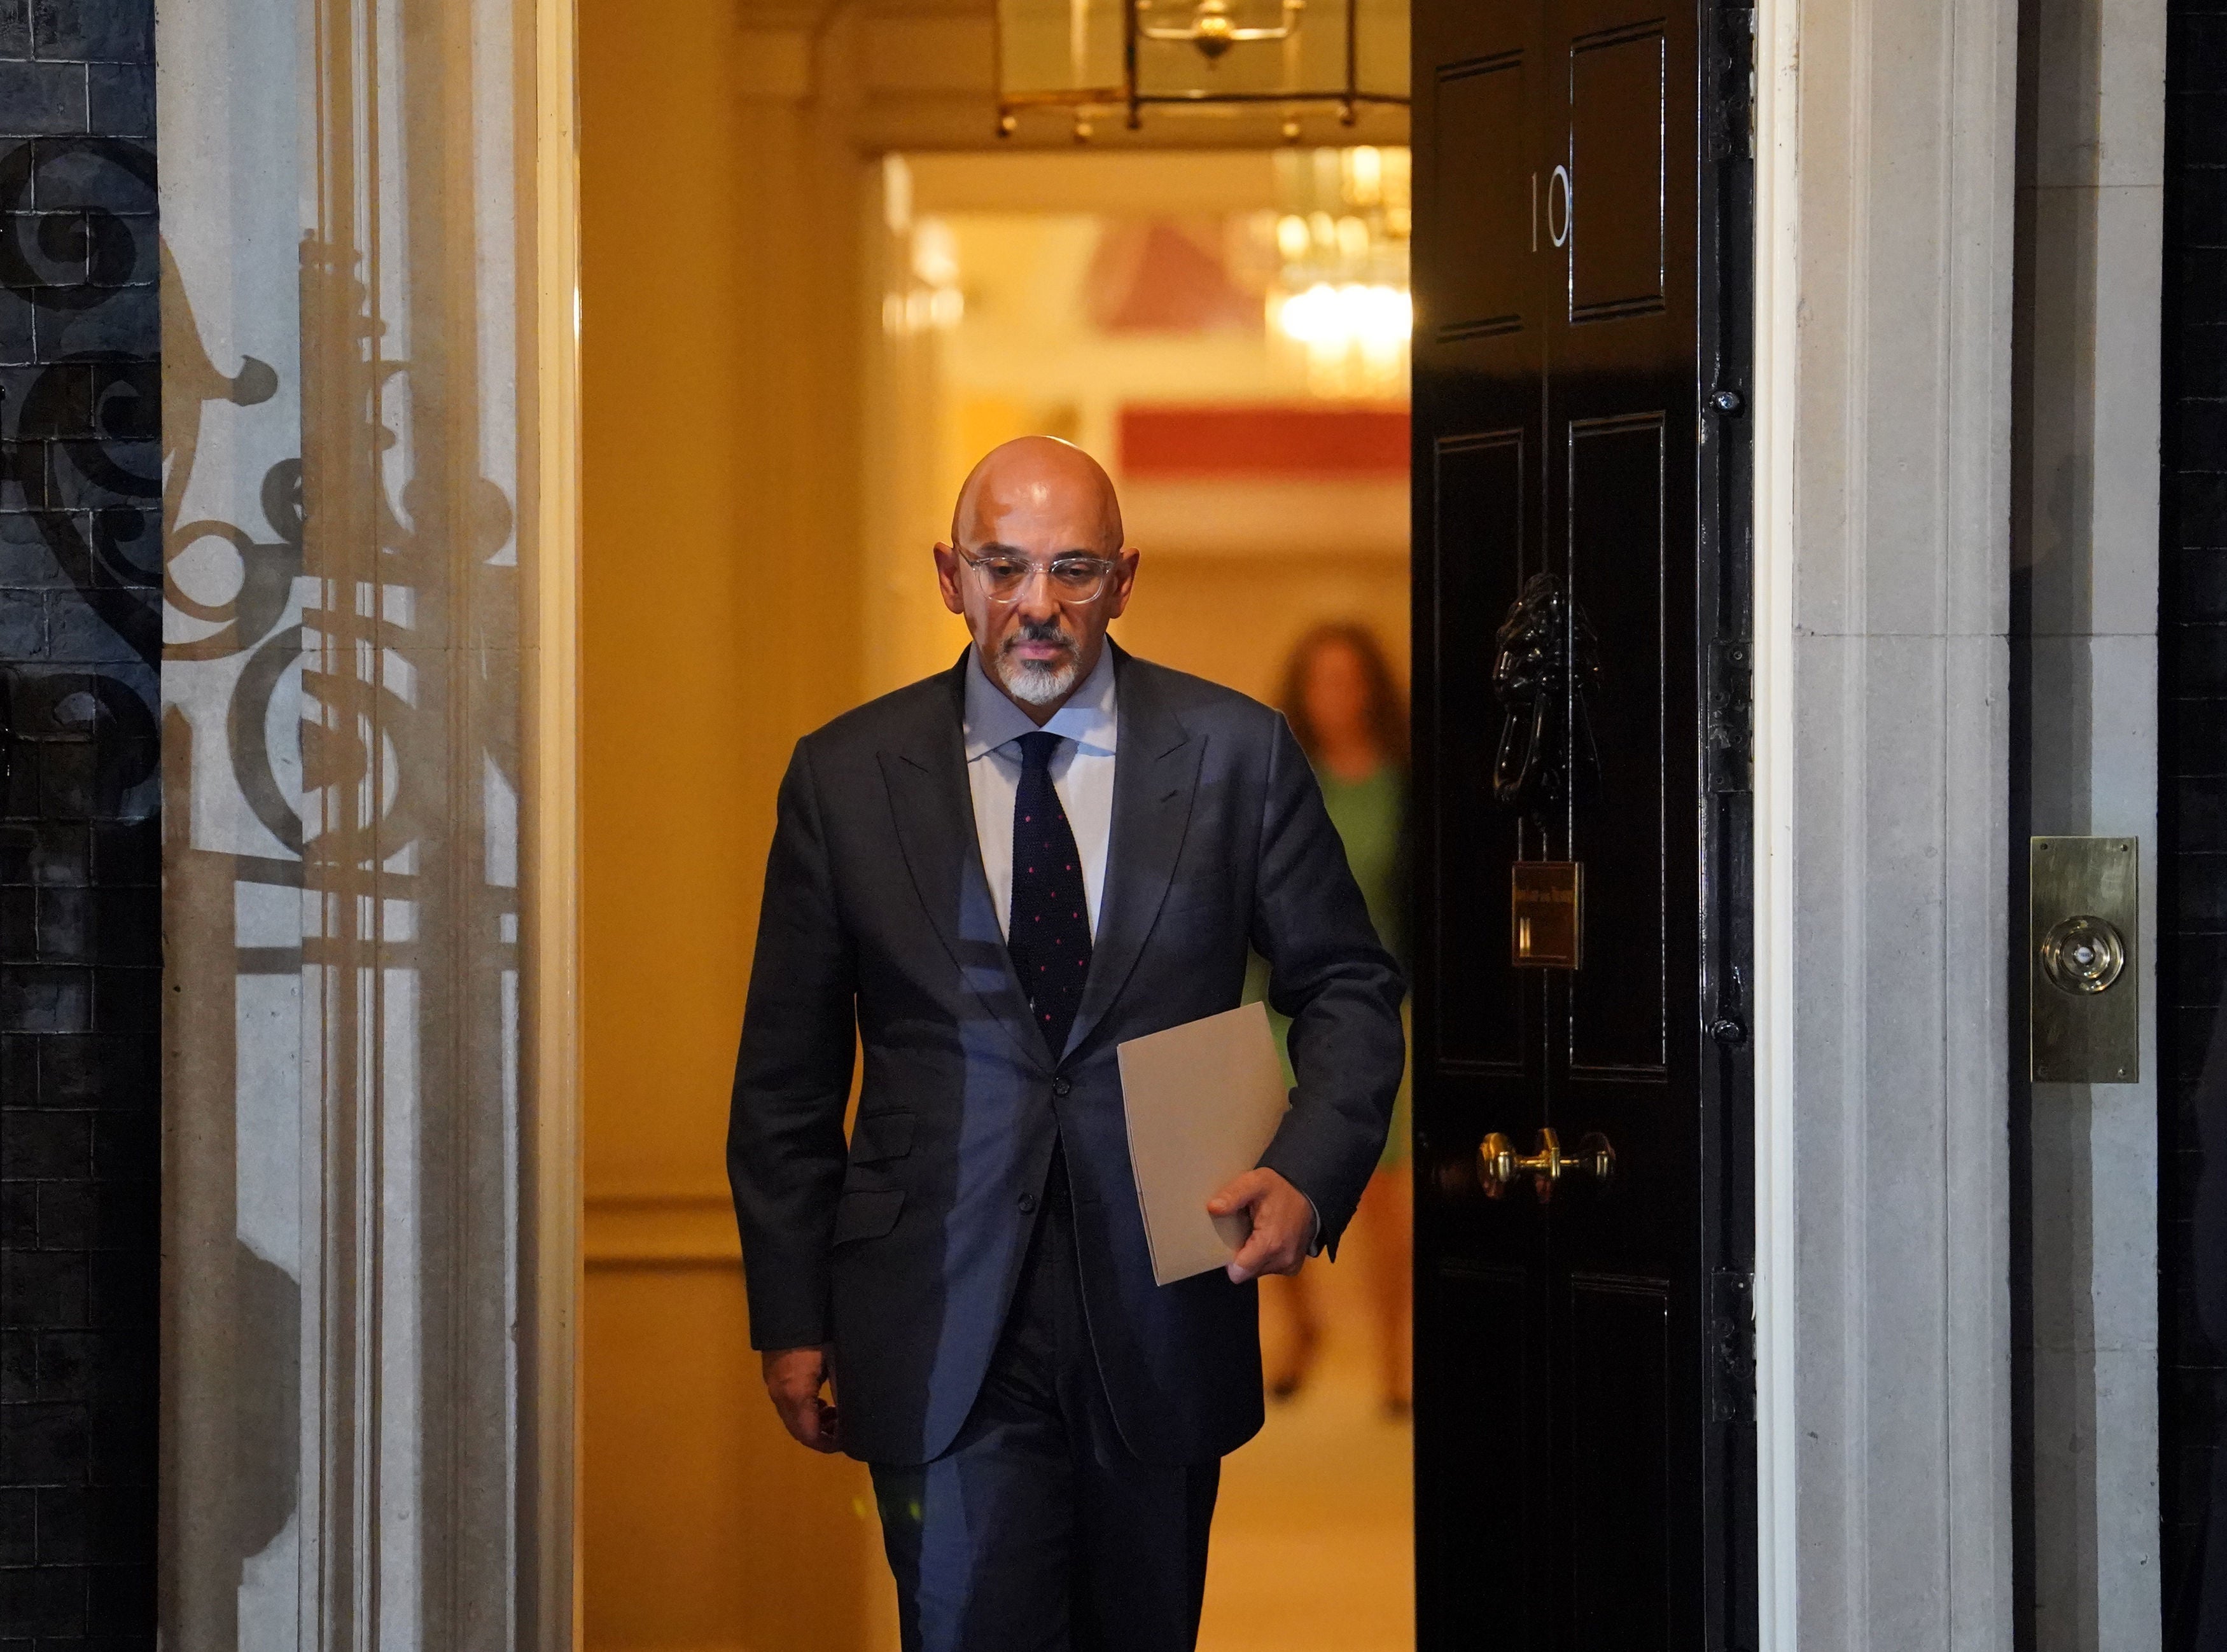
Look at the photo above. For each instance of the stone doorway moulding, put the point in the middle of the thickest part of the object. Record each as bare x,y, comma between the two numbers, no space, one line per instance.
370,530
1884,140
370,298
1912,372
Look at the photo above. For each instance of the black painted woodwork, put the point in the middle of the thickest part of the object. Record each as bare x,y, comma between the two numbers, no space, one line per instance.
2192,810
1584,1450
81,896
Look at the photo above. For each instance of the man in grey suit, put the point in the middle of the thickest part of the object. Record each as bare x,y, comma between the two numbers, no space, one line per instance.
987,881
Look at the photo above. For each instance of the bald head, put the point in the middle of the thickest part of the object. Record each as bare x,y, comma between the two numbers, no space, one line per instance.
1048,481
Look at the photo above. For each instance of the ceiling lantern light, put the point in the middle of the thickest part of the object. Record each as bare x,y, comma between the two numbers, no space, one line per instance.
1095,57
1340,294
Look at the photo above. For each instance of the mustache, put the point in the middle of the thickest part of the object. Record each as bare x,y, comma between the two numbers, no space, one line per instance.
1044,631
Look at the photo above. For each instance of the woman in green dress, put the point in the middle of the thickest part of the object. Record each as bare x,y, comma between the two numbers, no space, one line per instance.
1351,720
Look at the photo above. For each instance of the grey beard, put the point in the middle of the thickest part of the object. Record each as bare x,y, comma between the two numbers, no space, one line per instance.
1038,685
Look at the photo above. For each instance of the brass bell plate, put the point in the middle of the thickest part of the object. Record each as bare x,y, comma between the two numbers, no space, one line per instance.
2083,930
1545,914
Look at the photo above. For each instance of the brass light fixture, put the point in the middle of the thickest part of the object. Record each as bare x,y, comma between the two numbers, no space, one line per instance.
1101,56
1214,29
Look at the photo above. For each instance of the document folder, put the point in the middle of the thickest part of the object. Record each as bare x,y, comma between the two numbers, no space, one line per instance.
1202,1100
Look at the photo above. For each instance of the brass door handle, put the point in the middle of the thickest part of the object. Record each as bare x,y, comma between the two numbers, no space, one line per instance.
1499,1165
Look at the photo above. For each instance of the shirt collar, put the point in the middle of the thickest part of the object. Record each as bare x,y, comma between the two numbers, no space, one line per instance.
1089,718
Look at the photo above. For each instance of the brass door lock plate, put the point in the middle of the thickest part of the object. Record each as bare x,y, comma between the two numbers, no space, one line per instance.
1545,914
2082,928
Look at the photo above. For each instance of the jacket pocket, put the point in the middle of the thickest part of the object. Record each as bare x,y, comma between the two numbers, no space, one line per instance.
867,1213
879,1136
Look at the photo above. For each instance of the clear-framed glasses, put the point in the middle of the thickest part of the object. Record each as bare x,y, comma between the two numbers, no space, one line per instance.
1074,577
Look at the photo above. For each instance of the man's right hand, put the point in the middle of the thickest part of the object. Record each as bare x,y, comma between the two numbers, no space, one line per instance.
794,1376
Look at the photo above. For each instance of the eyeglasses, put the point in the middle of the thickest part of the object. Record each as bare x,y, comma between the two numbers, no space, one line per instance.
1074,578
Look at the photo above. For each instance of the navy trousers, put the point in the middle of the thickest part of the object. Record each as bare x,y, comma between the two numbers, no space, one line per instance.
1037,1531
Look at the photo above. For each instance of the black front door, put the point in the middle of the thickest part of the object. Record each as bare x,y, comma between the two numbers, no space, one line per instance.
1584,1456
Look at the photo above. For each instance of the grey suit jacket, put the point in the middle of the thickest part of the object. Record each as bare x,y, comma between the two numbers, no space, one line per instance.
903,1245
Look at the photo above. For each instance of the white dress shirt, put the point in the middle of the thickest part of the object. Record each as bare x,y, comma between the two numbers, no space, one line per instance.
1082,773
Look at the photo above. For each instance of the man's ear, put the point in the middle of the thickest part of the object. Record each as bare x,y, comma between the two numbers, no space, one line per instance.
1125,580
947,574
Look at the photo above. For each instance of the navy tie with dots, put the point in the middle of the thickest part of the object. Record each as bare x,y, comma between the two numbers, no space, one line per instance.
1049,933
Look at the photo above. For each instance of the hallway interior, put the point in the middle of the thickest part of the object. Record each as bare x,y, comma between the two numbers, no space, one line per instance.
1125,300
1314,1536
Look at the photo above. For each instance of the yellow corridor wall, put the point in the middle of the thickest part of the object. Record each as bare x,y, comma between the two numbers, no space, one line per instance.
719,597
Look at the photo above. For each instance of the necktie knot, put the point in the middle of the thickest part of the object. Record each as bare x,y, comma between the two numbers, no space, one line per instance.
1037,750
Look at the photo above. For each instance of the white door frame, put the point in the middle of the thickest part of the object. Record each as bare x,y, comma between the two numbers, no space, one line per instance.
1776,134
1884,150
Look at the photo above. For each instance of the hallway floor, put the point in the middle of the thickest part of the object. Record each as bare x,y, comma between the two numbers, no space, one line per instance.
1313,1538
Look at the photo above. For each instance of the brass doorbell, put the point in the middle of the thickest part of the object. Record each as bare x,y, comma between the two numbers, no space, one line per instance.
2082,928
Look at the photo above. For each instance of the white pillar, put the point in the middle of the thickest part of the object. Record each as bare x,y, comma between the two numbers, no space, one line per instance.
369,1187
1885,138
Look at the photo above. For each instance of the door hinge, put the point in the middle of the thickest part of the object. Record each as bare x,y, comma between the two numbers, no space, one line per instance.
1728,738
1731,113
1731,1347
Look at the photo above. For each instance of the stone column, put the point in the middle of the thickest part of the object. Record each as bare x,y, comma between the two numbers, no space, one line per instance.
1885,164
368,531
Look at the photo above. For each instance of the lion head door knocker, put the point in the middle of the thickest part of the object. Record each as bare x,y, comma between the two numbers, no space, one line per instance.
1545,660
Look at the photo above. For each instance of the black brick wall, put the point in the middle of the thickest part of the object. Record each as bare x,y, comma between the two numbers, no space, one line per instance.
79,853
2192,808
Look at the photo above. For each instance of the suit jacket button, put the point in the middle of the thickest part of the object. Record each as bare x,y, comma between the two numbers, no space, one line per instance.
1027,1204
1061,1086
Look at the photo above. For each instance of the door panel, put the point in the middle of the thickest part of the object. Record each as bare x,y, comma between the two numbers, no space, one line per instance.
1481,1570
1617,576
1617,171
1569,1443
1484,197
1618,1575
1477,508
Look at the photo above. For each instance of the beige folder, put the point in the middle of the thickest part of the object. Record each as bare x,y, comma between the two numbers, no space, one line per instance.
1202,1102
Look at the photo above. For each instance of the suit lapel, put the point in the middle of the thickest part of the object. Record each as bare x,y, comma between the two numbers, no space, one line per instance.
1155,779
933,812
